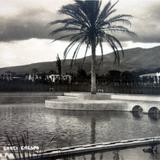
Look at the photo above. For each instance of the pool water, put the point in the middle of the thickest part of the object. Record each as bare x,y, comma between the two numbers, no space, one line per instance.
53,128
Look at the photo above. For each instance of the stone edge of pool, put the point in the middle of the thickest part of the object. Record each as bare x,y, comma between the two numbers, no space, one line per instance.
103,101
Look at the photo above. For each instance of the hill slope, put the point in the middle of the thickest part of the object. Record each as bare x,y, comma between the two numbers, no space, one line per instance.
136,59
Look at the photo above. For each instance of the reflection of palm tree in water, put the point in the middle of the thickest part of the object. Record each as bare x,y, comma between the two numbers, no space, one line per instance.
93,130
93,157
93,135
93,140
116,155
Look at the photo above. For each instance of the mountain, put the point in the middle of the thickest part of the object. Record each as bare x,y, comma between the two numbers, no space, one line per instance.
136,59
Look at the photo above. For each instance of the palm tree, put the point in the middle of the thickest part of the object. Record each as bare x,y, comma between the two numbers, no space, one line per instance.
59,66
86,23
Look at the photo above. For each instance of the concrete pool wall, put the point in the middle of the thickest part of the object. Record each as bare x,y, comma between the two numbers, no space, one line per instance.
102,101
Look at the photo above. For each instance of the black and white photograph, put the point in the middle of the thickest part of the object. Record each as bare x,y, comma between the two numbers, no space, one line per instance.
79,80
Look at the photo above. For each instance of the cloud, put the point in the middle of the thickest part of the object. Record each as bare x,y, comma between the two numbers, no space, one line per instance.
26,25
29,19
23,19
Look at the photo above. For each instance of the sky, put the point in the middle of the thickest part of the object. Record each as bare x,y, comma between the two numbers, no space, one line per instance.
24,29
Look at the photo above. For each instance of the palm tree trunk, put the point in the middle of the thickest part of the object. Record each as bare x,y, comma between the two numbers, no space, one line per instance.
93,68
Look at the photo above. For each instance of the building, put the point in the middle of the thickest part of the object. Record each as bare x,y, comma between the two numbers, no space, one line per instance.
8,76
154,77
56,77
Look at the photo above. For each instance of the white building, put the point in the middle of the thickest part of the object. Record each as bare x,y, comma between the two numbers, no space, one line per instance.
55,77
154,76
32,77
7,76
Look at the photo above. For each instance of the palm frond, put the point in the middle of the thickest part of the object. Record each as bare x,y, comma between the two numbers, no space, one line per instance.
101,47
90,9
76,51
76,13
85,54
73,42
67,22
121,16
119,20
104,12
116,42
120,29
64,29
115,51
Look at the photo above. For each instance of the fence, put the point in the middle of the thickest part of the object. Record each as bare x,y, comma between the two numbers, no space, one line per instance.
111,88
130,88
